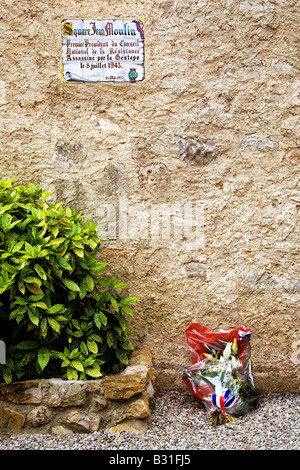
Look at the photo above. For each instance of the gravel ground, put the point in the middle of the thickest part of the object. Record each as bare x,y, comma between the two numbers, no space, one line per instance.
179,422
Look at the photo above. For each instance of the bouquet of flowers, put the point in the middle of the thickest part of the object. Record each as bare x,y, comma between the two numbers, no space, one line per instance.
220,375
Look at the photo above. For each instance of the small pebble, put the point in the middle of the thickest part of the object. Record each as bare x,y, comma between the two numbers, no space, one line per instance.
179,422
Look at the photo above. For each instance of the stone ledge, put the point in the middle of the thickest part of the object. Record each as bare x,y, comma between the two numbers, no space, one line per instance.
59,407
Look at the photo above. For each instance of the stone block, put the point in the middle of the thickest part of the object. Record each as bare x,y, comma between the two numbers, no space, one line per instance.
139,408
100,403
59,430
141,358
10,419
125,386
136,426
38,416
22,392
149,390
64,393
133,380
95,386
81,421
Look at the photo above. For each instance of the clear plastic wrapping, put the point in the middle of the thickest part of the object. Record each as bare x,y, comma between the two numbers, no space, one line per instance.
220,376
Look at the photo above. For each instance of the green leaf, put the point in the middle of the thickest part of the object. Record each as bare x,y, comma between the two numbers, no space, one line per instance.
55,308
66,352
123,323
84,349
117,329
83,290
68,212
97,268
112,281
9,268
114,303
95,337
17,247
77,334
74,353
54,325
72,374
37,213
127,346
127,310
84,326
89,282
44,327
43,357
32,280
97,320
77,365
71,285
29,249
92,346
5,208
129,300
36,297
76,323
33,317
78,252
103,318
56,241
120,285
5,222
7,375
40,271
20,300
44,253
89,361
100,319
18,311
40,305
122,356
60,318
93,372
27,345
29,357
21,286
110,338
91,226
64,264
34,288
55,230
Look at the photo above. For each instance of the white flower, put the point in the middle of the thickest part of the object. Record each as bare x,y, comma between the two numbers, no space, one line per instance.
227,351
235,363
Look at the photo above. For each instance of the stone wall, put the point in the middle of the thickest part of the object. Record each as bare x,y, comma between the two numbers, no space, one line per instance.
115,402
215,125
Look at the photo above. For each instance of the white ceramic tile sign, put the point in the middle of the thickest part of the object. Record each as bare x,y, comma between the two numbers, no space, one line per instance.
95,50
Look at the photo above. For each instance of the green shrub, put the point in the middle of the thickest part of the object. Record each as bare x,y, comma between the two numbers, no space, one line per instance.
59,316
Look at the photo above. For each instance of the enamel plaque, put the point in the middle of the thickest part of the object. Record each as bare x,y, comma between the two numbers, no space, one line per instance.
96,50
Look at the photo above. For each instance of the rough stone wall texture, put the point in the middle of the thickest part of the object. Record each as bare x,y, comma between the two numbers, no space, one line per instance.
215,123
115,402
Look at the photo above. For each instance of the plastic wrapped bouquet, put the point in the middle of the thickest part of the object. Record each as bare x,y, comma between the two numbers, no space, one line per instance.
221,374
